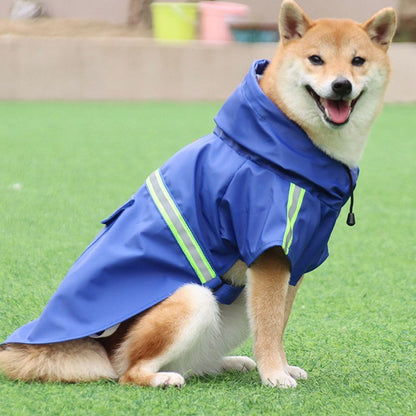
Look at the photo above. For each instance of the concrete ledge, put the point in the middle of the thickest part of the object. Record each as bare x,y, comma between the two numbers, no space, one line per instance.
402,87
141,69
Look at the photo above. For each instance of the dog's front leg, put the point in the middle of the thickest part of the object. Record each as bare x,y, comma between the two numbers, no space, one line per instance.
268,279
296,372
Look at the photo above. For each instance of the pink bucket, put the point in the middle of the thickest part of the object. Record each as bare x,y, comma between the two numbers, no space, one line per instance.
215,17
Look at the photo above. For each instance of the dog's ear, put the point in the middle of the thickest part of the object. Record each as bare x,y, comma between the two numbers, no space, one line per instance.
381,27
293,22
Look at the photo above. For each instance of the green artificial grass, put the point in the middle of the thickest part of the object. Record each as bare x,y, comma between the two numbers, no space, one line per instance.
65,166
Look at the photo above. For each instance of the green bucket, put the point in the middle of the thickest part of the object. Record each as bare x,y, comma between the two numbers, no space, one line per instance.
174,21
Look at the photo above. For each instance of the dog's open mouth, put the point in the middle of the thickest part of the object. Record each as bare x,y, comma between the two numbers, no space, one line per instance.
336,112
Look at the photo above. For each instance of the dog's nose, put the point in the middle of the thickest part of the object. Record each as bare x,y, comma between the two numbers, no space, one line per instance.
342,87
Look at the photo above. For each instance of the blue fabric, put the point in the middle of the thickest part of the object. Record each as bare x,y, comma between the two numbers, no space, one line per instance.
232,189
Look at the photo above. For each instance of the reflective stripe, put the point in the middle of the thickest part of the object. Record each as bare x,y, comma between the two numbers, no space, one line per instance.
179,228
294,203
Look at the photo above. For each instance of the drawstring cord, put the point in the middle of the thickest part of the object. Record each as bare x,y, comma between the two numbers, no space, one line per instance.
351,216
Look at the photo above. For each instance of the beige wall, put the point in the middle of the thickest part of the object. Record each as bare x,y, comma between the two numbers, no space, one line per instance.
360,10
135,69
115,11
112,10
4,8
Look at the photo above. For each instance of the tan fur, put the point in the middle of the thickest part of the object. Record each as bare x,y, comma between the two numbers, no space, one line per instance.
190,333
165,320
270,304
171,332
150,337
337,41
72,362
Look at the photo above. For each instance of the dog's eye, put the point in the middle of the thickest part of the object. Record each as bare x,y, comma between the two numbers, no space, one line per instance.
316,60
358,61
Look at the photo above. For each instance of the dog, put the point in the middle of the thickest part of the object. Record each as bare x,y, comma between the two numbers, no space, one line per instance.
213,247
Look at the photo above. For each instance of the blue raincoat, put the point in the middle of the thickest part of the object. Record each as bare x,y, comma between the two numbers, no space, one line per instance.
256,182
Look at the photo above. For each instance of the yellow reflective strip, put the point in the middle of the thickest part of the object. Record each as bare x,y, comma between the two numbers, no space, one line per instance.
174,231
288,225
185,225
294,218
294,203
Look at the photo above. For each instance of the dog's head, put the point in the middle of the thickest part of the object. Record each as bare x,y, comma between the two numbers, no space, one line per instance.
330,75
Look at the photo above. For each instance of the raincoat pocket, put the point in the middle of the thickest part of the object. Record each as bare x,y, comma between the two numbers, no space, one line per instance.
110,220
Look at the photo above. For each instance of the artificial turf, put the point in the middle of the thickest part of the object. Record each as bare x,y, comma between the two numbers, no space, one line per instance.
65,166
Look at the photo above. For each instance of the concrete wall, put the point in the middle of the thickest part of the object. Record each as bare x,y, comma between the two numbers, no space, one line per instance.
121,69
141,69
116,11
359,10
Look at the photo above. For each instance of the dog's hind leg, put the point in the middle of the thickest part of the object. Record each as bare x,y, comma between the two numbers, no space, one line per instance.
209,353
165,335
235,329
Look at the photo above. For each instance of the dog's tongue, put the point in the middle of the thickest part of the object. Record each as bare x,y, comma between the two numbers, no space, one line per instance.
338,110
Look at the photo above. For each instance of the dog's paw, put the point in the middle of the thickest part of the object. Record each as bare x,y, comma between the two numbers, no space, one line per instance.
297,373
165,380
238,363
279,379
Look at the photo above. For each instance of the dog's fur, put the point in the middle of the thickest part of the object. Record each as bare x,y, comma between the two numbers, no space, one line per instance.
190,333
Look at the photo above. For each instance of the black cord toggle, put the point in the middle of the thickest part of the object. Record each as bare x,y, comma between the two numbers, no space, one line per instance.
351,219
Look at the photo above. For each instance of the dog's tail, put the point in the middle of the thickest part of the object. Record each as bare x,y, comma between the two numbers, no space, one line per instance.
72,361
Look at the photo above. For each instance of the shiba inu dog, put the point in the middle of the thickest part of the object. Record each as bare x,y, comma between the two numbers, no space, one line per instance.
215,244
